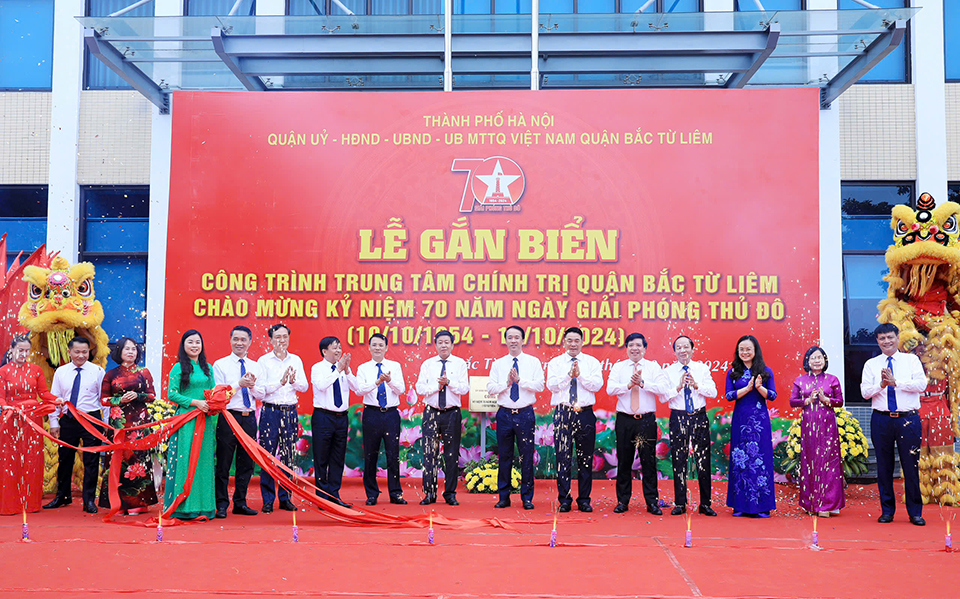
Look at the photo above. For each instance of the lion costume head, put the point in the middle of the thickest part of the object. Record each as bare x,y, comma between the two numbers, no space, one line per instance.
61,304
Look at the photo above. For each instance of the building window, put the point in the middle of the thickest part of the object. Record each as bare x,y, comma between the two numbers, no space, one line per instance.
23,217
26,45
487,7
114,232
893,68
96,74
654,6
953,192
196,8
951,39
768,5
865,218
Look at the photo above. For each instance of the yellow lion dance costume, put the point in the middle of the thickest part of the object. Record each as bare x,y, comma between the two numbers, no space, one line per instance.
923,300
61,304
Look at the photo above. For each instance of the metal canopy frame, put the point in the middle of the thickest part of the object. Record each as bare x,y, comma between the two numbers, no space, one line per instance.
885,43
654,58
129,72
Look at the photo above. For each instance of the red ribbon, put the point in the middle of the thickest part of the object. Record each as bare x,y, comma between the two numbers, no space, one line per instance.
298,486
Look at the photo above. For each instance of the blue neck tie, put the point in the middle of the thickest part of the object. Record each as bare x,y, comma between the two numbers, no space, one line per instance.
243,390
381,389
687,394
75,391
442,396
515,388
573,386
891,392
337,395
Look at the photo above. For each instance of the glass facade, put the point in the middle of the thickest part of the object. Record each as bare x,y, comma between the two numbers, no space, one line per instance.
865,219
23,217
218,7
114,231
97,75
486,7
893,68
768,5
951,39
26,45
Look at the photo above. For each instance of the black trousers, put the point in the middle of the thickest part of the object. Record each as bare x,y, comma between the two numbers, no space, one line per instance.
637,435
441,426
905,432
570,428
329,450
72,432
685,429
381,427
227,448
515,427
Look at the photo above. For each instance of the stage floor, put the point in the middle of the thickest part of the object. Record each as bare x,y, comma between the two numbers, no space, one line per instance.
601,554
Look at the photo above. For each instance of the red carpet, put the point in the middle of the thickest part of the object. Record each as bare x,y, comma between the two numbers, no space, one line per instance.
599,555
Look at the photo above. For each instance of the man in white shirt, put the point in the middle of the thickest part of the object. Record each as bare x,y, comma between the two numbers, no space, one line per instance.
240,372
687,385
78,382
380,382
635,383
332,381
281,378
443,379
573,378
515,379
893,382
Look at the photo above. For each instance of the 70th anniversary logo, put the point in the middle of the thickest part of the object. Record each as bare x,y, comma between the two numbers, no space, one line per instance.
494,184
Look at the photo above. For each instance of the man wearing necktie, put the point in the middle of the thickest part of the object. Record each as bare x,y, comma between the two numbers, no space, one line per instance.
442,381
240,372
515,379
380,382
332,381
687,386
893,381
573,378
635,383
79,383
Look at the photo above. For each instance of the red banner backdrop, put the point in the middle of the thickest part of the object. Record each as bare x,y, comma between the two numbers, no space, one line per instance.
666,212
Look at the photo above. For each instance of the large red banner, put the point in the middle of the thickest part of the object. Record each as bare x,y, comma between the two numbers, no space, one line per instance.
665,212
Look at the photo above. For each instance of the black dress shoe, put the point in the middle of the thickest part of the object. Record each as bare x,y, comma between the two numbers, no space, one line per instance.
451,500
502,504
678,510
287,506
528,505
90,507
244,510
564,507
655,510
371,501
885,518
585,507
398,500
267,508
706,510
428,500
58,502
341,502
220,513
621,507
918,521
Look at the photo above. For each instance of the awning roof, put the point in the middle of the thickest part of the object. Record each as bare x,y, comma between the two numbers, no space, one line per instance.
829,49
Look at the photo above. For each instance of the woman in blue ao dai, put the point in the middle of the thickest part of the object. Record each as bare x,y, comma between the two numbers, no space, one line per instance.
750,384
